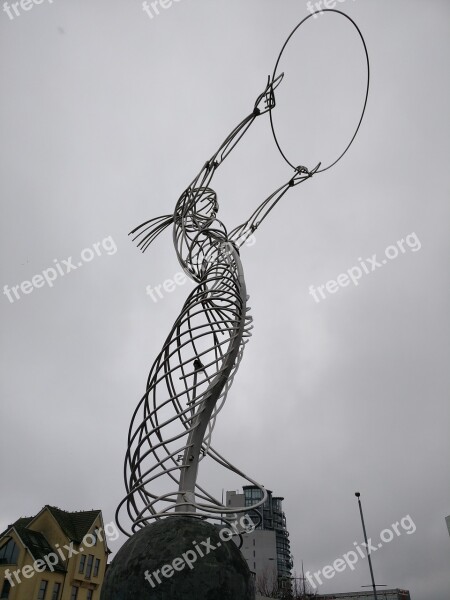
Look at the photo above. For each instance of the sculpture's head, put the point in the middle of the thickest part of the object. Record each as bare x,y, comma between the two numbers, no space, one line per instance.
197,233
196,209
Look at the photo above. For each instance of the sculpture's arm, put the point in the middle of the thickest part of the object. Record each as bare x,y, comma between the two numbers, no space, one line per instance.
148,231
240,233
263,104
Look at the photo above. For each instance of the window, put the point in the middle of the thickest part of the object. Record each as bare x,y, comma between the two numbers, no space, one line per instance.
91,539
56,590
252,496
96,567
5,589
90,560
34,538
9,553
42,590
89,595
82,563
74,593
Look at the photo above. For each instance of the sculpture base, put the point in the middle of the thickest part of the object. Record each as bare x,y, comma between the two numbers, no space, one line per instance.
179,558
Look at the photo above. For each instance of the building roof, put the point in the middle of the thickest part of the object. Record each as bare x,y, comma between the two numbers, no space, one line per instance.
74,524
22,522
399,593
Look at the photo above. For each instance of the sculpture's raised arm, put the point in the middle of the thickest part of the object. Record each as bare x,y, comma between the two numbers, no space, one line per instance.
240,233
148,231
263,104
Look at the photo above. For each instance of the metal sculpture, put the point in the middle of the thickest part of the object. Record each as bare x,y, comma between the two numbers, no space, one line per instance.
171,428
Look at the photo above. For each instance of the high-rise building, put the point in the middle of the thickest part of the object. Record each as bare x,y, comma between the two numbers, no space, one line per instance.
267,548
55,555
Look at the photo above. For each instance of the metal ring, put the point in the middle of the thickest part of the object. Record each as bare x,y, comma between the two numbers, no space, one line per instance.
365,99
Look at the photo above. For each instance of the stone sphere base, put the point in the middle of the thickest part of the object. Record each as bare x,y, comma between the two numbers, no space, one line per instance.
164,561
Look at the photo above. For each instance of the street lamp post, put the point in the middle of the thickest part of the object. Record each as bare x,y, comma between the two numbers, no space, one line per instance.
357,494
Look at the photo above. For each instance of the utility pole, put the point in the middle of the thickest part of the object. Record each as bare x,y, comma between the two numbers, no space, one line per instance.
357,494
303,577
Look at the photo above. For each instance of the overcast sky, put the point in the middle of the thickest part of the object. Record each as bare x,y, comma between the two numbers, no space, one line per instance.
106,115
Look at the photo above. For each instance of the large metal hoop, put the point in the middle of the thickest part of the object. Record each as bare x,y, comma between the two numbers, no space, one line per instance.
366,95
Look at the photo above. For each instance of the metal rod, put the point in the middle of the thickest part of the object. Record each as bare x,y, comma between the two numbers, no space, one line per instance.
357,494
303,577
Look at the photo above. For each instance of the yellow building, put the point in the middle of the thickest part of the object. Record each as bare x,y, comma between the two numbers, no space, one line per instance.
56,555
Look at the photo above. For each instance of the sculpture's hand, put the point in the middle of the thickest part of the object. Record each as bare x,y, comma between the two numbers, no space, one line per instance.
302,173
266,100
